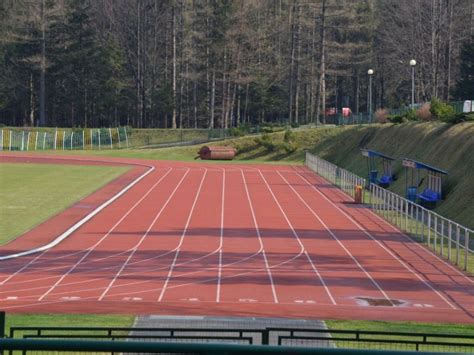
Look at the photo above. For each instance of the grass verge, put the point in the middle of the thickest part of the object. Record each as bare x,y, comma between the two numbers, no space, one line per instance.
67,320
393,343
32,193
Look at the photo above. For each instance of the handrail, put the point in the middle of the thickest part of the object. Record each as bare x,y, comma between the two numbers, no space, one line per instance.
156,347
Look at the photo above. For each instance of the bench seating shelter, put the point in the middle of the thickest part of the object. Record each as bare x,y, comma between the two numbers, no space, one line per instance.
386,177
432,193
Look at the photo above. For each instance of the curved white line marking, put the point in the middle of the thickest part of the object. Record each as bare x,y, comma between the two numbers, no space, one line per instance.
257,229
79,224
142,239
173,264
90,249
295,234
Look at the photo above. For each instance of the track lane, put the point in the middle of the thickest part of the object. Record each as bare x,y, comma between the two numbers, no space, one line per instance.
245,276
200,247
343,273
145,275
403,282
294,277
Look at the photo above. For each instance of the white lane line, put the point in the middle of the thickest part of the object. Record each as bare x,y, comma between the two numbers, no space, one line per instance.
90,249
173,264
77,225
428,251
257,229
142,239
22,268
401,233
295,234
380,244
221,241
333,235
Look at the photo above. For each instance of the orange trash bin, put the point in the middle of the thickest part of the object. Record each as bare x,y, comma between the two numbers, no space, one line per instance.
358,194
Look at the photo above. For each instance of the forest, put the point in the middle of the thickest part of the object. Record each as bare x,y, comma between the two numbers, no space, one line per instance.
226,63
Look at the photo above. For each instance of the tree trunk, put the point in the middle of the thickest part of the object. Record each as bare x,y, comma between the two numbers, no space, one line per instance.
213,99
292,62
32,102
195,108
223,123
42,119
321,97
298,64
173,30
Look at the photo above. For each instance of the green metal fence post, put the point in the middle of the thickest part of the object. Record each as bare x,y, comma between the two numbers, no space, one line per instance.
2,324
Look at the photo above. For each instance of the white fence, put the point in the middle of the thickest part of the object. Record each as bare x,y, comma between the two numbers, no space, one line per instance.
447,238
340,177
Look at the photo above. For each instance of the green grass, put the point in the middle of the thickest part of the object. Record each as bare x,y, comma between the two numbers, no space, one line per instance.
407,327
68,320
32,193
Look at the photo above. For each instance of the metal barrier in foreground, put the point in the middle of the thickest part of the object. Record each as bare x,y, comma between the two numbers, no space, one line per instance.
294,337
27,346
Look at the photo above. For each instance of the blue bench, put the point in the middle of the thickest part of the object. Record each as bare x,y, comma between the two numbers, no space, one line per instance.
429,196
385,180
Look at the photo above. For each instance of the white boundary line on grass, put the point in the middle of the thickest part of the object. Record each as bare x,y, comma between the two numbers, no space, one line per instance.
80,223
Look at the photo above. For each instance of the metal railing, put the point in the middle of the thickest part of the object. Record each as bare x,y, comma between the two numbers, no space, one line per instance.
340,177
26,346
268,337
445,237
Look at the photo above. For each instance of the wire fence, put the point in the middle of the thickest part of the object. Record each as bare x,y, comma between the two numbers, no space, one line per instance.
93,138
445,237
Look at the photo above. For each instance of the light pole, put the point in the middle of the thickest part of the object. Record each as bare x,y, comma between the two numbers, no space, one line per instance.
412,64
370,72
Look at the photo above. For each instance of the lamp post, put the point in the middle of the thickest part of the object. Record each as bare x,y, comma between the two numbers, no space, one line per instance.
370,72
412,64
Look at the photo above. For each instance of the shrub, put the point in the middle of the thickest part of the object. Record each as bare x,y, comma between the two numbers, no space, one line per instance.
441,110
236,132
266,141
289,147
267,129
294,125
459,118
424,112
411,115
289,136
396,118
381,115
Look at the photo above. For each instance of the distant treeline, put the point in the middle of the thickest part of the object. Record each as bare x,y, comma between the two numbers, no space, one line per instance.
223,63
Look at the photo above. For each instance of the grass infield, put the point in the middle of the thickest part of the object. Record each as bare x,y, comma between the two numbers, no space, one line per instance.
32,193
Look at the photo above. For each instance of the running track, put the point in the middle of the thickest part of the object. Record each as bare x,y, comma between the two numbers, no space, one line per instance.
240,240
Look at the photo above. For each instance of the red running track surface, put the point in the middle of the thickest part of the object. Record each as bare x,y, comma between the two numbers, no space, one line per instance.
236,240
